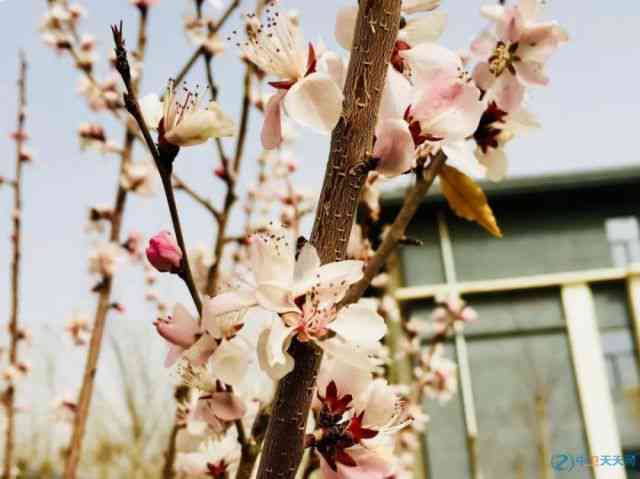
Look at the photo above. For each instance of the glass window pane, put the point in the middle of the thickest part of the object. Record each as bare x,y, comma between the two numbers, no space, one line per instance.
527,405
423,264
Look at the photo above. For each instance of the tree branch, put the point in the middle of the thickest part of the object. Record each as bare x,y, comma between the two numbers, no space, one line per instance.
8,397
424,179
104,303
351,142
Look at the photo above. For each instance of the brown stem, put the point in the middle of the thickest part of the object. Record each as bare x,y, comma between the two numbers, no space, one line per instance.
180,185
395,234
14,332
351,142
104,302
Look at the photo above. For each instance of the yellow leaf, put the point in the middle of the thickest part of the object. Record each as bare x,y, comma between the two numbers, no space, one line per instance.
467,199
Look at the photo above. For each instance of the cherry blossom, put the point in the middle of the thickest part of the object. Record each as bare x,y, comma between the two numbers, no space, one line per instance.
355,419
181,121
514,52
309,96
78,328
439,380
495,130
305,294
215,459
139,177
105,258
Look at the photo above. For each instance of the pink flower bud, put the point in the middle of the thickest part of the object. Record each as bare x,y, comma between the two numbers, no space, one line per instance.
163,253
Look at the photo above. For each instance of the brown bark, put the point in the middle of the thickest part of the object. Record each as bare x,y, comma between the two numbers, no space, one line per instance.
347,168
14,332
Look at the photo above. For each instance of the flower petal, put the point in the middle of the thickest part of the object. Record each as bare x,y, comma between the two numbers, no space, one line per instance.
230,361
360,324
275,297
315,101
271,135
424,29
394,148
508,92
495,162
430,62
460,118
272,350
227,302
152,110
226,406
532,73
272,256
307,264
346,25
198,127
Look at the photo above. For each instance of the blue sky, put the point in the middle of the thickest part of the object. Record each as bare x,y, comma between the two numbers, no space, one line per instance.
589,115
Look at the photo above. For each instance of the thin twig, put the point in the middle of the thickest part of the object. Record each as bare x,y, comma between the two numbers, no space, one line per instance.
163,158
9,395
180,185
104,293
396,233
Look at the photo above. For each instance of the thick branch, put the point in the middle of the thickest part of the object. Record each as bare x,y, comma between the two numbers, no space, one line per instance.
395,234
351,142
14,332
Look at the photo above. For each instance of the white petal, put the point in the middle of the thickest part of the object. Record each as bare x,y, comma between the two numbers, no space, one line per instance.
424,29
152,110
381,404
360,324
483,44
348,378
272,346
495,161
346,25
229,362
227,302
416,6
272,256
529,9
315,101
335,66
508,92
271,135
460,156
532,73
198,127
275,297
307,264
349,353
430,62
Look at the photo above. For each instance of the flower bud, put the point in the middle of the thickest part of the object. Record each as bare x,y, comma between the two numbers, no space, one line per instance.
163,253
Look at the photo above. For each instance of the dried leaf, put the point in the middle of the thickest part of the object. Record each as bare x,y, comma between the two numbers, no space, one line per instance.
467,199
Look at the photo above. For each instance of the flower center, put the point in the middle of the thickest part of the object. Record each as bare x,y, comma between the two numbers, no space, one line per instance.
502,58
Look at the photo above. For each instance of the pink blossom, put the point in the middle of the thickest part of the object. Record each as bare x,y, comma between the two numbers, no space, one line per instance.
164,253
309,96
514,52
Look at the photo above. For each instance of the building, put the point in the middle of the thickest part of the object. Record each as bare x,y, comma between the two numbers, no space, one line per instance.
551,369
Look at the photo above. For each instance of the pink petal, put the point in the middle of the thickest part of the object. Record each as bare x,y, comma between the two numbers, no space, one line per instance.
532,73
394,148
461,118
227,406
508,92
483,44
315,101
271,135
173,354
483,77
396,96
